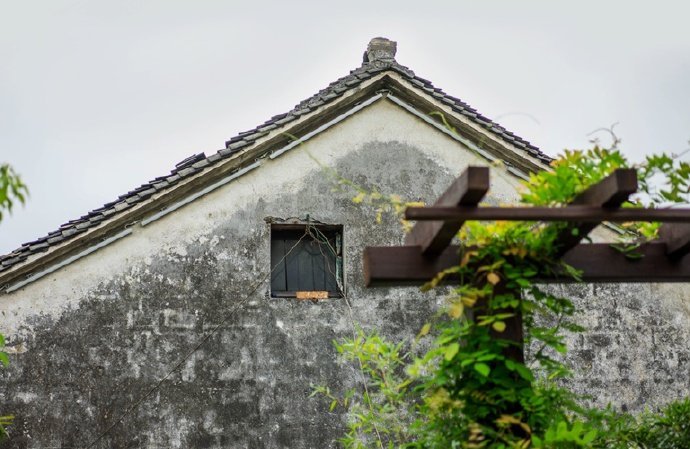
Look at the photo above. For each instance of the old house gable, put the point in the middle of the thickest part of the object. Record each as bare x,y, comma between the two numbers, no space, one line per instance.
380,79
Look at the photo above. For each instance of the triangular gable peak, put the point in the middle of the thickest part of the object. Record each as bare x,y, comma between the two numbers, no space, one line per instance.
379,78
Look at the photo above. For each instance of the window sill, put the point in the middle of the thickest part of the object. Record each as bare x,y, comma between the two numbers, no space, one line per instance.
307,295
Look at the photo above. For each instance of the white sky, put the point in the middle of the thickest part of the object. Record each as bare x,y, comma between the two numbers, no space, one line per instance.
97,97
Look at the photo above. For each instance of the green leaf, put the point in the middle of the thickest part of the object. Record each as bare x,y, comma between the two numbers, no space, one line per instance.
4,358
499,326
482,368
451,350
524,372
589,437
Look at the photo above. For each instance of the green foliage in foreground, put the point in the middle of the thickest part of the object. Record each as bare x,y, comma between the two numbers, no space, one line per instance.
667,429
463,391
12,189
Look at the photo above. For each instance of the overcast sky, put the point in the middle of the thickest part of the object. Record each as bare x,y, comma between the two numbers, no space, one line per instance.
97,97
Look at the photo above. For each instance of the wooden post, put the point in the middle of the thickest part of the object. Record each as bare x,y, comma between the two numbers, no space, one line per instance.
513,331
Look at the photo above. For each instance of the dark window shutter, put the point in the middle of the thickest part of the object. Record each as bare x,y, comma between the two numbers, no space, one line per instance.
303,263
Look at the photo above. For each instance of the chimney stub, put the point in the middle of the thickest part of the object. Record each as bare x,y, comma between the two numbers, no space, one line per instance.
381,49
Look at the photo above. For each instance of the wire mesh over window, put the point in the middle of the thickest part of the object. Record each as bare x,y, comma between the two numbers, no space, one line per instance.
306,261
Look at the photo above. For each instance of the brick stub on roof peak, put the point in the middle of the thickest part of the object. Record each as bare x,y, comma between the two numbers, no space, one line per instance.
381,49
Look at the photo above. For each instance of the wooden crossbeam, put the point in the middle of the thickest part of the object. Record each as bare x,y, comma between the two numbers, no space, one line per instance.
405,265
598,262
577,214
609,193
467,190
676,236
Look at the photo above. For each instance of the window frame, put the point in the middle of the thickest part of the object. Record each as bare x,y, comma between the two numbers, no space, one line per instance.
337,231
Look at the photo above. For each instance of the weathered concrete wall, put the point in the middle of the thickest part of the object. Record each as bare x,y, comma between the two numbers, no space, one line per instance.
635,353
96,336
93,339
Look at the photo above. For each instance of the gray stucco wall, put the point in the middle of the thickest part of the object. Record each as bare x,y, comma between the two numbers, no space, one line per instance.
95,338
248,384
635,353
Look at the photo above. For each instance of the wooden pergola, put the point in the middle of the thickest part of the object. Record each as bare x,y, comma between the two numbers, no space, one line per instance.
428,250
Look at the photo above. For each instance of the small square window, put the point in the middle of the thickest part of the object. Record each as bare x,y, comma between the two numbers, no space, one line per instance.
306,261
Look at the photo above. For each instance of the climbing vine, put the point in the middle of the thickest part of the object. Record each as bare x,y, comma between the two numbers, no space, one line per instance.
465,390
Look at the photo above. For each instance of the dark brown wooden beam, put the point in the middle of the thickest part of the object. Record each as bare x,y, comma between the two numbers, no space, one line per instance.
577,214
599,262
467,190
405,265
676,236
610,193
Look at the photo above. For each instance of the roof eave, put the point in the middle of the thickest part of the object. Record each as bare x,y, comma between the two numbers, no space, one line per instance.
489,141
